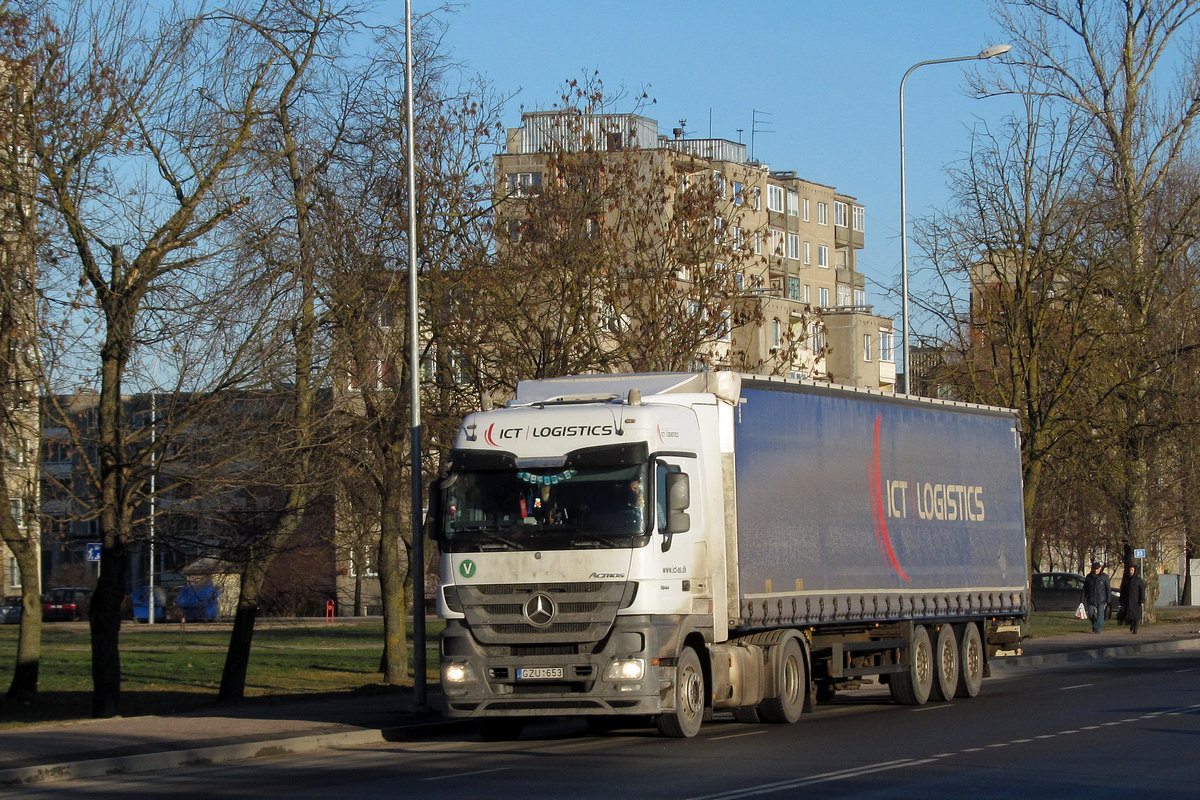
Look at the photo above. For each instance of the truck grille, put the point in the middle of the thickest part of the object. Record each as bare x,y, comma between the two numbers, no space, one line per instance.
582,612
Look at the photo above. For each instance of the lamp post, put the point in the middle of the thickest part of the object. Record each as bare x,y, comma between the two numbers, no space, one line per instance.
990,52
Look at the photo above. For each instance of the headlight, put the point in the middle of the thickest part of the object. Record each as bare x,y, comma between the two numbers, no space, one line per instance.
457,673
626,669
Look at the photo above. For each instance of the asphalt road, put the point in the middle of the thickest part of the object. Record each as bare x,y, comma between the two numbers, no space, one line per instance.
1115,728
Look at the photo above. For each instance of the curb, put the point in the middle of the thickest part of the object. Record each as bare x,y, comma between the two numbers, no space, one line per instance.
1013,663
215,754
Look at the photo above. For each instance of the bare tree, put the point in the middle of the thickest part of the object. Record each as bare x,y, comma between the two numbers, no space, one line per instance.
19,368
1103,64
140,124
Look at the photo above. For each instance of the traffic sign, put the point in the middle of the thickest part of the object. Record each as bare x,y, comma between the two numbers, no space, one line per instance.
93,551
1140,553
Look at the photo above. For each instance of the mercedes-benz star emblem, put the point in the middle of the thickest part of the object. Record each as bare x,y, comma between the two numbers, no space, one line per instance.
539,610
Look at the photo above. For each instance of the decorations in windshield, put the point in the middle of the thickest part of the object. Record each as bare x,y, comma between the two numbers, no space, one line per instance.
547,480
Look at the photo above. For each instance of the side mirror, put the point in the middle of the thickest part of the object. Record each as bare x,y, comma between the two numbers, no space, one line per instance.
679,497
433,515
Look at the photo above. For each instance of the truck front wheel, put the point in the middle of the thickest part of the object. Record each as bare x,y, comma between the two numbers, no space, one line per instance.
683,721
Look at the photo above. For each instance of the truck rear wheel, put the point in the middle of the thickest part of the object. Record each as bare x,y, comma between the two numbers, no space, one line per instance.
683,721
945,664
790,675
970,661
913,686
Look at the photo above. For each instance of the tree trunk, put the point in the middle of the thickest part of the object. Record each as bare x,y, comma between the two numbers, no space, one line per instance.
391,578
24,685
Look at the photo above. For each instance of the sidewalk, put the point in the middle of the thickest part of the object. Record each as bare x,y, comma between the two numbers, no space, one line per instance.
273,726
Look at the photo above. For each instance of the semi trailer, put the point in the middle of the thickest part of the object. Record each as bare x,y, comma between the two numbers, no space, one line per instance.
669,545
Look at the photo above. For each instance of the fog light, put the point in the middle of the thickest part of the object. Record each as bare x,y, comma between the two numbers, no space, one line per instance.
625,669
458,673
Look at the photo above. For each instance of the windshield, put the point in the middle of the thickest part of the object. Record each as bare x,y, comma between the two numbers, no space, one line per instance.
546,506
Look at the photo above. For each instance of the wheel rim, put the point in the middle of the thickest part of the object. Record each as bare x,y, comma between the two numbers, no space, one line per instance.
691,695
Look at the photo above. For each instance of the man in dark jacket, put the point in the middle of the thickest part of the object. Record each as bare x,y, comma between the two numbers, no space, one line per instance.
1096,591
1133,598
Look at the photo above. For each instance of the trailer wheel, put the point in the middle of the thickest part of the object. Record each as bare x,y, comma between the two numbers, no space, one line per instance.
786,662
945,664
970,662
499,729
912,687
683,722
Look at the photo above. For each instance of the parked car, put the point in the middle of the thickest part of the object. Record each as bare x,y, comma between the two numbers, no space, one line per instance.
66,603
1062,591
10,609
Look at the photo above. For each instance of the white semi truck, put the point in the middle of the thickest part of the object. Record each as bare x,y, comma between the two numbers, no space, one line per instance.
669,545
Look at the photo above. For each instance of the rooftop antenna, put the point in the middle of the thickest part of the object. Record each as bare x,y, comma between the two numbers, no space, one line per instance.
755,129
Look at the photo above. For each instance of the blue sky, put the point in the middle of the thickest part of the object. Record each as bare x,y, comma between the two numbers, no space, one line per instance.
824,76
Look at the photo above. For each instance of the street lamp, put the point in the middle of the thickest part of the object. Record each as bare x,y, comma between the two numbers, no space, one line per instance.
990,52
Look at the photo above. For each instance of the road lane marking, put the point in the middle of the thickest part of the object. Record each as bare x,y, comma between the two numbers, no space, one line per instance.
737,735
932,708
827,777
466,774
1076,686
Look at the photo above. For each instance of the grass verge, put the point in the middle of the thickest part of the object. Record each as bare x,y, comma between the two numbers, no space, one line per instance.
170,668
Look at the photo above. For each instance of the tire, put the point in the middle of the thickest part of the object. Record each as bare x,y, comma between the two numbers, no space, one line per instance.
970,661
945,664
747,714
913,686
683,721
499,729
790,680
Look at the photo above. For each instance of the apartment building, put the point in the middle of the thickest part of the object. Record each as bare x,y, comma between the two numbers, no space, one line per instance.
796,243
18,331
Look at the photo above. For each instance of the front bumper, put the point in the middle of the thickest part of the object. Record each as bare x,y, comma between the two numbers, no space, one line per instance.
482,681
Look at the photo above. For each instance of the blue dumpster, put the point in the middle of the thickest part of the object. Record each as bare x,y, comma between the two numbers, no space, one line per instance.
198,602
141,603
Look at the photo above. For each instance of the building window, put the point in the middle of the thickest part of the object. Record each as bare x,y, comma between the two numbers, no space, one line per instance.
756,198
739,280
841,214
886,351
793,287
718,230
816,339
807,253
843,295
758,243
738,199
860,219
776,242
726,332
823,256
822,214
866,347
776,334
806,209
14,574
824,297
774,198
16,507
719,183
793,202
807,293
793,242
524,184
738,242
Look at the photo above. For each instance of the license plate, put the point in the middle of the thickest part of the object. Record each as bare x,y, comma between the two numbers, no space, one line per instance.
539,673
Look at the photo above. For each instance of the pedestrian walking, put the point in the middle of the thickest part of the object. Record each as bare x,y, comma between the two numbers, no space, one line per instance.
1096,593
1133,598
